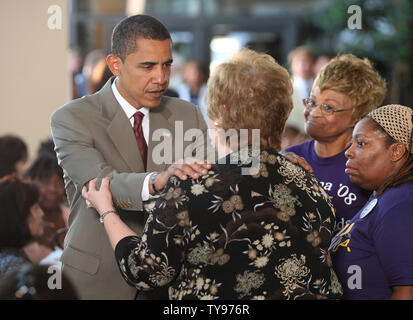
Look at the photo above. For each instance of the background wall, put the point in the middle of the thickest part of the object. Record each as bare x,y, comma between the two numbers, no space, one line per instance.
34,65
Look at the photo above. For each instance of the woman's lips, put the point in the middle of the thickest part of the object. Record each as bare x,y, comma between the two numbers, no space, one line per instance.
349,169
312,122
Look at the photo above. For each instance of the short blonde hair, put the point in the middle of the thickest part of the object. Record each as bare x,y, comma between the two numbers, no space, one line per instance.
256,92
355,77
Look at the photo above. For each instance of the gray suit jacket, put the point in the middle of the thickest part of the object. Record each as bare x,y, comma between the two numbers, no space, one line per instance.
94,138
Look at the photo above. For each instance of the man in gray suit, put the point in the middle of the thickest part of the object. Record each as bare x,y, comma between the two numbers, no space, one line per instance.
100,136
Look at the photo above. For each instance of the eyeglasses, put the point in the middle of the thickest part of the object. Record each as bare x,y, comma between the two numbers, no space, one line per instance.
325,108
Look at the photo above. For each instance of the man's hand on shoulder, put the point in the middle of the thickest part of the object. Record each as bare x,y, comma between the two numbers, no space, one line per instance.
182,169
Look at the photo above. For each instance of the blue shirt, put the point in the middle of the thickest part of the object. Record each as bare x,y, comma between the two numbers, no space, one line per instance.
374,251
347,197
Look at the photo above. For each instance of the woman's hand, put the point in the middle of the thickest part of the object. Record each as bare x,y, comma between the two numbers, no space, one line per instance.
100,199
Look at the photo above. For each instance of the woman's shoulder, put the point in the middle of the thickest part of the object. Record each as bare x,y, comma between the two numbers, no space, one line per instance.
302,148
246,172
399,196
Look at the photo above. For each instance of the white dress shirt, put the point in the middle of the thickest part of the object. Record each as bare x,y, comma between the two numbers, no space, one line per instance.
303,87
130,111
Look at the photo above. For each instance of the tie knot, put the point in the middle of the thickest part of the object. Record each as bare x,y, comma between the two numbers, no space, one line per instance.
138,116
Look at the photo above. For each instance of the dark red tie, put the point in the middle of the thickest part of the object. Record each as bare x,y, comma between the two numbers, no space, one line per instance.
140,139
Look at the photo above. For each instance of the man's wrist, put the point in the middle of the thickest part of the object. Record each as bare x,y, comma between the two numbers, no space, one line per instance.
153,181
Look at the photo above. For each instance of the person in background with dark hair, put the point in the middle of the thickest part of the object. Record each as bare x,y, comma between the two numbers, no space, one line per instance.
21,219
99,76
373,253
109,134
46,146
90,62
32,282
194,87
79,82
46,173
13,156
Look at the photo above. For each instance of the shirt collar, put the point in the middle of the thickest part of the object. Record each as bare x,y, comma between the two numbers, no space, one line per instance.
126,106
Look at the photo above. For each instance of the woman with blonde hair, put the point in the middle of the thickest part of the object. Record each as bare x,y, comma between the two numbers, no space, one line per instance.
373,253
344,91
238,231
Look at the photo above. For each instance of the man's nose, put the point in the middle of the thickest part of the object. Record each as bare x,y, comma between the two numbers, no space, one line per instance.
161,76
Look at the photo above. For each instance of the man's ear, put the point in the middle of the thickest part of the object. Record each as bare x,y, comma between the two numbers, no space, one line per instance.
114,64
398,150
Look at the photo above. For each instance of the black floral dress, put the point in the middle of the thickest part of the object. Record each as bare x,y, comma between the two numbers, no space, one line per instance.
232,236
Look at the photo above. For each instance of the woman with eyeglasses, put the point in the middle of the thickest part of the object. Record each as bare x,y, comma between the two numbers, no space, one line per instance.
344,91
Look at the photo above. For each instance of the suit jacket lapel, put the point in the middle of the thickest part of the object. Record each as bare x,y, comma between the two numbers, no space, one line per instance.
121,133
120,130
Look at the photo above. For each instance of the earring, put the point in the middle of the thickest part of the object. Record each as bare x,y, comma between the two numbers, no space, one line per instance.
217,123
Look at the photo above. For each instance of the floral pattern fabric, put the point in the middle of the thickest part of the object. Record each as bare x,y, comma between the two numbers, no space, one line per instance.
233,236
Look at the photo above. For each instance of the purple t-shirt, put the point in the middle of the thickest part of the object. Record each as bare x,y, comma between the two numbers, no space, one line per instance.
375,250
348,198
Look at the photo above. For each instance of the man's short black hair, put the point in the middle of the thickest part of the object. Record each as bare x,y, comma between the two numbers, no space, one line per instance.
127,31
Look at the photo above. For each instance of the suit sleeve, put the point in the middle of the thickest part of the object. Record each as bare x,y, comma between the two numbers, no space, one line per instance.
82,162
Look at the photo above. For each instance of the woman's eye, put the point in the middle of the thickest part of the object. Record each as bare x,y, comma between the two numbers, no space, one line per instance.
360,143
326,107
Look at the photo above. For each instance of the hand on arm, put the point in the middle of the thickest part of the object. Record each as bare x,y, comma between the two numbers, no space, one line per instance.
101,200
182,169
79,157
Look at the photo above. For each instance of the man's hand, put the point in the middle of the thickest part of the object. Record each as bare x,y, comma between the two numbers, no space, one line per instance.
182,169
298,160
